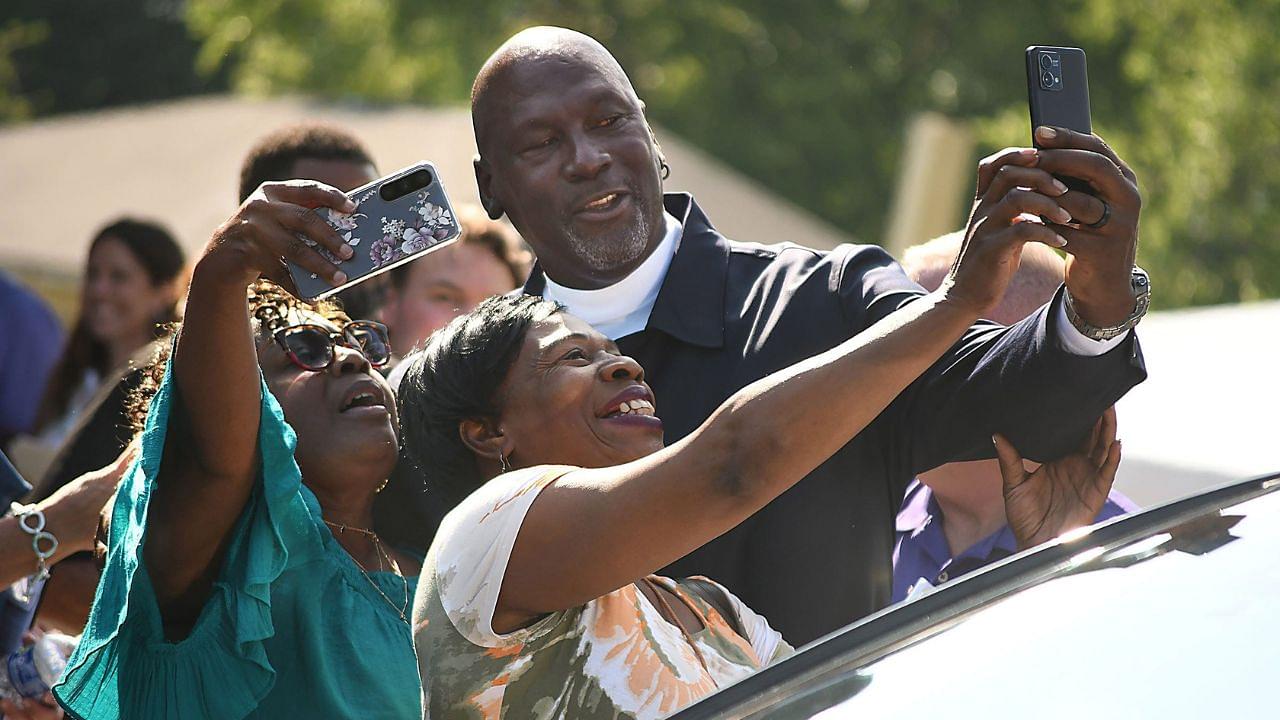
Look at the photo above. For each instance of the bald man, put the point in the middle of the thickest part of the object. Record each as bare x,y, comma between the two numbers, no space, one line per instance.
567,154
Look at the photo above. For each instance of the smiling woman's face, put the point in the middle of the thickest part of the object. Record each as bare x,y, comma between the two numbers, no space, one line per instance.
571,398
120,303
344,416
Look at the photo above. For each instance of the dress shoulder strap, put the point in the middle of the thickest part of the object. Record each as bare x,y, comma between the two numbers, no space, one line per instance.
711,594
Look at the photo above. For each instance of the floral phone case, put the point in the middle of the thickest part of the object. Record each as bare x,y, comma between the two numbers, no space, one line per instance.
397,218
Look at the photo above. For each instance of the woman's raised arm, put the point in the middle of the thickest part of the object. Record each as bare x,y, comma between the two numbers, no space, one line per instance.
210,461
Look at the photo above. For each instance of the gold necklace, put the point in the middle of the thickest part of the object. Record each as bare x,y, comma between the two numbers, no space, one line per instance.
382,552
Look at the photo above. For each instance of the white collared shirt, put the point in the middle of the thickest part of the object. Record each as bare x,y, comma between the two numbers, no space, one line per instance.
623,308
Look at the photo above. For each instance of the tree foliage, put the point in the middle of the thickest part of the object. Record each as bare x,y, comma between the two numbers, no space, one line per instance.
67,55
812,99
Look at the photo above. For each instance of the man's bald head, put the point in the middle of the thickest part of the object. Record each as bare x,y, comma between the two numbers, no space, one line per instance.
567,154
543,44
1039,274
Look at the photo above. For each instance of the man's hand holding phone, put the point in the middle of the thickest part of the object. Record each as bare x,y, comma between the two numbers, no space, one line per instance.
1102,235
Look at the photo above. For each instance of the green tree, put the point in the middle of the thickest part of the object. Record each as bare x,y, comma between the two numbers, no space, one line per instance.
812,98
66,55
15,35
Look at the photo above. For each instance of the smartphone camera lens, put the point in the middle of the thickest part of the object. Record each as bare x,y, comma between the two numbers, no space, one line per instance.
1046,61
412,182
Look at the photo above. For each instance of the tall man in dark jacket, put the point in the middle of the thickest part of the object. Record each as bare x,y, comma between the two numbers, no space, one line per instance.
567,154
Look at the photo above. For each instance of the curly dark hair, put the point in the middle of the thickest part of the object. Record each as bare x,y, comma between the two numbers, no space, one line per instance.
457,377
273,157
269,306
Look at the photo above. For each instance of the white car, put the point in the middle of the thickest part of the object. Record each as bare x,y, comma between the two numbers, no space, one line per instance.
1170,613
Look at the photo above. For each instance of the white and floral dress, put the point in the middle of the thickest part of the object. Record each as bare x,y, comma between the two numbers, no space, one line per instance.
615,656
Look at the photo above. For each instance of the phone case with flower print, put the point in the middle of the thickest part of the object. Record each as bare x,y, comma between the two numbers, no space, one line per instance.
397,218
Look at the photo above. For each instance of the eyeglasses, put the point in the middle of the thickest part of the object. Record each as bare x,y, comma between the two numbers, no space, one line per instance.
310,347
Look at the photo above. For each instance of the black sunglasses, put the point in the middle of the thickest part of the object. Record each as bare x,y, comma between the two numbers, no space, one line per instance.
310,347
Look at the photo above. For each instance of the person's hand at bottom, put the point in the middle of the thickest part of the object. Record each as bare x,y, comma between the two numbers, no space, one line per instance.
1063,494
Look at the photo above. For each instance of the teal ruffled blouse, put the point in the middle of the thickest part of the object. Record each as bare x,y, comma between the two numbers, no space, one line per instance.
292,628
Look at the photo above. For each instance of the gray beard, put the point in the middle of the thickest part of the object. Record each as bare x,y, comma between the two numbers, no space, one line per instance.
602,254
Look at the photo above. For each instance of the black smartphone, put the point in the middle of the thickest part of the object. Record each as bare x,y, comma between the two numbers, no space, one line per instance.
397,218
1058,93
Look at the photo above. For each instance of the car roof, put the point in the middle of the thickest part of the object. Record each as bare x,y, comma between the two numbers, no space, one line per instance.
1164,613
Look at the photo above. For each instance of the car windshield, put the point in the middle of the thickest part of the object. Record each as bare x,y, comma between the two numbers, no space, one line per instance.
1125,617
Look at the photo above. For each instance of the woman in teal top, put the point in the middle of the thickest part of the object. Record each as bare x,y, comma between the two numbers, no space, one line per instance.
242,579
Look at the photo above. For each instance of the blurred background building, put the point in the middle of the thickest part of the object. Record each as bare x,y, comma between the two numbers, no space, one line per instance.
179,161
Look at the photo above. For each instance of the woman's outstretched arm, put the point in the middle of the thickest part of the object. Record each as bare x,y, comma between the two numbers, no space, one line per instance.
596,530
210,457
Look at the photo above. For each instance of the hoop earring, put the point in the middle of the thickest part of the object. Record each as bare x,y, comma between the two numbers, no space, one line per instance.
502,460
664,170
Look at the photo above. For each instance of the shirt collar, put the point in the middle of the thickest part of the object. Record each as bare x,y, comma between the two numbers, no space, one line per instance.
691,301
916,509
920,510
623,307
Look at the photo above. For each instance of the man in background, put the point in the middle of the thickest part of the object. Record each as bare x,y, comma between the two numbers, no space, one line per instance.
953,521
307,151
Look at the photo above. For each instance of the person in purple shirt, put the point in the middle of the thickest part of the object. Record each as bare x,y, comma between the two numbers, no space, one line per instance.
953,518
32,344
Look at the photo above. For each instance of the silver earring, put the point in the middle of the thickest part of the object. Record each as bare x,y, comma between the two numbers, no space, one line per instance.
506,466
664,170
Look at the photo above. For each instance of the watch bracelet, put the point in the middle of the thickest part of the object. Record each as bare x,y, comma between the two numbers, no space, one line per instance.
1141,303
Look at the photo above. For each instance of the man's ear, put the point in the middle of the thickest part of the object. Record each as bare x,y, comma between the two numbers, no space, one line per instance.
657,146
485,439
484,181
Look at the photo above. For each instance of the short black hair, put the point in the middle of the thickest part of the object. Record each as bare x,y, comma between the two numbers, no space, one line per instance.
273,157
457,377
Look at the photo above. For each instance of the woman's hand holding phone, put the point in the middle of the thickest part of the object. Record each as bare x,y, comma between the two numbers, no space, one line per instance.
269,228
